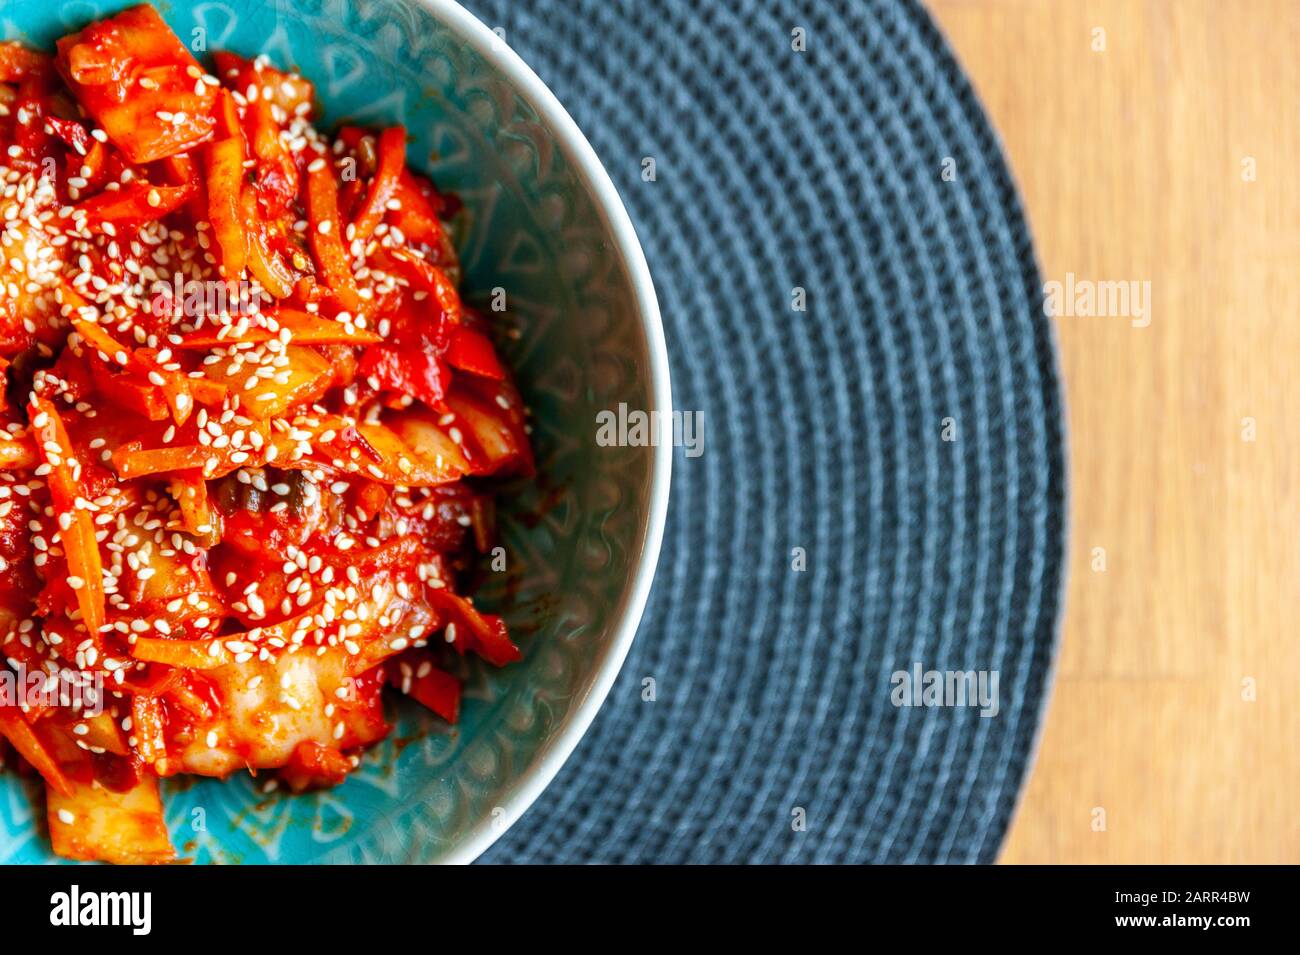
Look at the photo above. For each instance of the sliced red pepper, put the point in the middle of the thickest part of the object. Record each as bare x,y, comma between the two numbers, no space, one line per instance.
81,550
133,205
472,351
416,371
484,633
277,179
410,362
392,160
288,90
421,209
490,416
416,674
89,157
432,279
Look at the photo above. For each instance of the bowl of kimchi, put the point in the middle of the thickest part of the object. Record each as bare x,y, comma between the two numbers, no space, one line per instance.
309,549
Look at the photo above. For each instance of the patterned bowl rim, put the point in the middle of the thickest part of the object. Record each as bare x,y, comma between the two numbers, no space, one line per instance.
589,171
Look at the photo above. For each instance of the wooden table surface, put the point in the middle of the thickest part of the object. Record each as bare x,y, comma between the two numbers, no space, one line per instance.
1166,149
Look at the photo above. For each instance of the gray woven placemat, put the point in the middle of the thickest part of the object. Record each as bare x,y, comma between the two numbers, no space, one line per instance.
772,735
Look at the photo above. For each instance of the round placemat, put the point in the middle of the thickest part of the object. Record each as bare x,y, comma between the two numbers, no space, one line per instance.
853,310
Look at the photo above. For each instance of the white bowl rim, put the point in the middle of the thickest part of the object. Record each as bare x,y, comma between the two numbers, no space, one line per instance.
587,166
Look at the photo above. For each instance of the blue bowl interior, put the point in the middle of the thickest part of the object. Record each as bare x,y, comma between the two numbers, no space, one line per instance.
571,333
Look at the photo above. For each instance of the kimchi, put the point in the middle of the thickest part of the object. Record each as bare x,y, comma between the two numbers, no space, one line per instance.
247,419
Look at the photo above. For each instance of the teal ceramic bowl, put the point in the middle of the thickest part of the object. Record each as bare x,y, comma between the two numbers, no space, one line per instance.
546,224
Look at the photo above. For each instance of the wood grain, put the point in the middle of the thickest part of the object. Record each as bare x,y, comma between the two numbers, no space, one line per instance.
1135,164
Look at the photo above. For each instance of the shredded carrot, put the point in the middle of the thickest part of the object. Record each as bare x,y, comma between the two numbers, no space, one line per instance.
232,205
175,388
191,493
81,551
392,160
15,729
104,343
132,462
94,166
306,329
144,399
227,116
206,391
225,182
68,295
186,654
326,228
265,140
209,654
